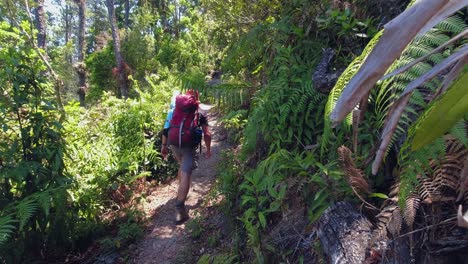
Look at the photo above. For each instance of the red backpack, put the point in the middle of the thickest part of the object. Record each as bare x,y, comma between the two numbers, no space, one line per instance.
183,123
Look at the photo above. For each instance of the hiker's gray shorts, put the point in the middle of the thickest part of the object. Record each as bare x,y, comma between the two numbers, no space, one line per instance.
186,157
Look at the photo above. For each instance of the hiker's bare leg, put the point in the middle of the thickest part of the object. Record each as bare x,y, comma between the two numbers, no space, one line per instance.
184,157
178,175
184,186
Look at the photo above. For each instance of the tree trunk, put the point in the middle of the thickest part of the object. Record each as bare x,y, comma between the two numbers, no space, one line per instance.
344,234
121,69
127,14
163,13
67,22
67,19
40,24
80,67
58,83
175,25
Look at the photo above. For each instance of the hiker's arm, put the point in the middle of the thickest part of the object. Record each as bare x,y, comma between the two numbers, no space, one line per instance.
164,149
207,138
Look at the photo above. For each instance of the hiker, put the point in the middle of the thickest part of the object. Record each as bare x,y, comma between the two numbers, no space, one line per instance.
183,133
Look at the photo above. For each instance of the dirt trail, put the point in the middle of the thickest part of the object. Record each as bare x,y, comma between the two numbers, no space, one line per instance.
163,240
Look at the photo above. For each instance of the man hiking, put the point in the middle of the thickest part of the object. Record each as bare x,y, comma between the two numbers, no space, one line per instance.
183,133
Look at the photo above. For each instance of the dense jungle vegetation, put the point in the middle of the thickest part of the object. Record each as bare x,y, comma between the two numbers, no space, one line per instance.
86,85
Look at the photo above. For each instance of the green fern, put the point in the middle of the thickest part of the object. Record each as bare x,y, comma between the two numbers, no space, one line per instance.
454,24
7,228
335,93
45,200
25,211
389,90
280,109
416,164
460,132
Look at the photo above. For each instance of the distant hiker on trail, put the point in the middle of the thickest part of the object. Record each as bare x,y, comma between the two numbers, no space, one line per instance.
183,131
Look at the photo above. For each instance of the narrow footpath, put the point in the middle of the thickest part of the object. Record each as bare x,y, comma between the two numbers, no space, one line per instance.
164,240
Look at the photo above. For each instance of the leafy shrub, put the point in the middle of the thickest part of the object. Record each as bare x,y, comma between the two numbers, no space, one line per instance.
115,143
36,215
264,191
286,111
229,176
343,30
99,65
234,122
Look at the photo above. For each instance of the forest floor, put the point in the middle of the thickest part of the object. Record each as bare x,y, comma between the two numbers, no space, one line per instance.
164,242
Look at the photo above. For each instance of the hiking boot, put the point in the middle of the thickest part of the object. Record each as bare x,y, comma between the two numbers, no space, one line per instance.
181,214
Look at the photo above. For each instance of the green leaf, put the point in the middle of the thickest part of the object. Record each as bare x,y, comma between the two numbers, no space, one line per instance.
138,176
318,212
262,219
379,195
246,199
274,206
443,114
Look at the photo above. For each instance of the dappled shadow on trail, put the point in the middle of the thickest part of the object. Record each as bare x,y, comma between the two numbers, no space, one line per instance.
163,239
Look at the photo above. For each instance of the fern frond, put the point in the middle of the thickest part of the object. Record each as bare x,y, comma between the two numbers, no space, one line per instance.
446,175
25,210
45,201
348,73
354,175
396,220
463,186
454,24
436,38
419,50
411,208
460,132
428,191
447,172
388,219
7,228
454,147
